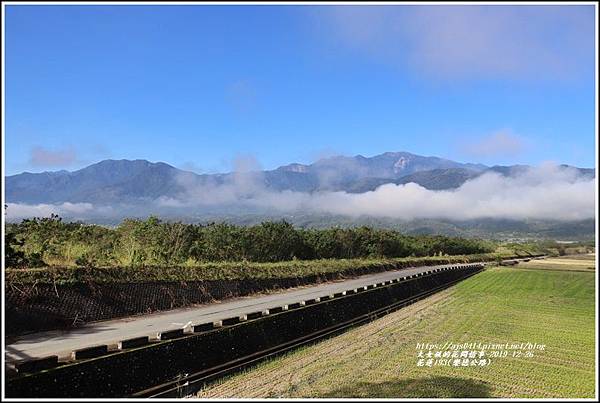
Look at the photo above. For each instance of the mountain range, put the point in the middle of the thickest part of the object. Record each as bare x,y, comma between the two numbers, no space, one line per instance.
110,190
132,181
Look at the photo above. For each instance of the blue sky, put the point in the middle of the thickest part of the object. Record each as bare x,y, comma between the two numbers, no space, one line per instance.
201,86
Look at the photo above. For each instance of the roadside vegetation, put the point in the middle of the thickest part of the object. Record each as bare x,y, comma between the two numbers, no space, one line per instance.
50,250
521,304
50,241
340,268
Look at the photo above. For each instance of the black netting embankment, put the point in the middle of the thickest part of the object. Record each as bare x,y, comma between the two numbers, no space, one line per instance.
126,373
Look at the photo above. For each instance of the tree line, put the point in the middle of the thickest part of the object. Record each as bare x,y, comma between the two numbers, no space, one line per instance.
51,241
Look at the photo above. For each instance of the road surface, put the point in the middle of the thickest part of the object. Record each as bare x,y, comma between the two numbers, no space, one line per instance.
62,342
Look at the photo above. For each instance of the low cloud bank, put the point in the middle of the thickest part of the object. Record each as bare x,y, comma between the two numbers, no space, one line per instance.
17,211
545,192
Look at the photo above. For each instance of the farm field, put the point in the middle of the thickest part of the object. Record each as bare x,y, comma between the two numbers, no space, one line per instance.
521,304
574,262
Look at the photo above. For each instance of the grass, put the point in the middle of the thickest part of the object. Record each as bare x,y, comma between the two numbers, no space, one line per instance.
225,270
506,304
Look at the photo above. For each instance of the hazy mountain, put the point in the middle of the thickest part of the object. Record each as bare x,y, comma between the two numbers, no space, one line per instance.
361,173
108,181
128,182
139,188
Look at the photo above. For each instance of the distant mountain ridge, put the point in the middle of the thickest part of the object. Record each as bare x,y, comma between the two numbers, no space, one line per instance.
131,181
104,182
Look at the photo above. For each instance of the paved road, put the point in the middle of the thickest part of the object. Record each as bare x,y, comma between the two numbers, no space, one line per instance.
62,342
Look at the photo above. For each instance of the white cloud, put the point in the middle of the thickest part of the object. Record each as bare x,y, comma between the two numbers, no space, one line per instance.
246,181
500,143
16,211
44,157
544,192
466,41
547,191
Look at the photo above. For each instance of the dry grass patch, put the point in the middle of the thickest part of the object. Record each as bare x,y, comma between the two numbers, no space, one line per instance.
575,262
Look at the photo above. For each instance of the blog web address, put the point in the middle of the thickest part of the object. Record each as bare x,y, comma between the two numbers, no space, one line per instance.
473,354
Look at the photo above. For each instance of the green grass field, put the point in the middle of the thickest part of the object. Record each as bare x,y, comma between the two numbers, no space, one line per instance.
505,304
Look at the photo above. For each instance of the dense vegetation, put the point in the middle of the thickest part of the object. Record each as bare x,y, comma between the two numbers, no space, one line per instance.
309,269
51,241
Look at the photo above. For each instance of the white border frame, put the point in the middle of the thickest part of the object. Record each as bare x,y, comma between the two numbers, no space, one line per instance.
225,3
